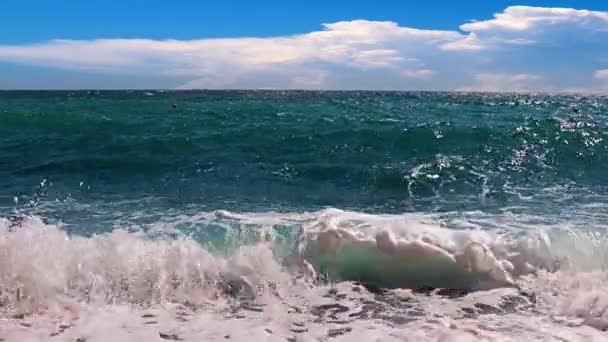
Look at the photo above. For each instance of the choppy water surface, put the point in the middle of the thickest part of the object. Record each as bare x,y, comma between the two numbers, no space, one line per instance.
117,197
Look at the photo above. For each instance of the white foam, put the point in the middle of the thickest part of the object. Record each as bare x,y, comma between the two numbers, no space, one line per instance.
43,269
41,266
580,295
276,322
411,243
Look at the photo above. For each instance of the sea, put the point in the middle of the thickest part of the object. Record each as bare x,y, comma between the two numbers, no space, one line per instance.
303,216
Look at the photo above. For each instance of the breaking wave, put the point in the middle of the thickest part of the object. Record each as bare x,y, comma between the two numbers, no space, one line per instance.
41,263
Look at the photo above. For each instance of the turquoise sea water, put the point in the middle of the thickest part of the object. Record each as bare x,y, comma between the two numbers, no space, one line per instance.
98,156
96,161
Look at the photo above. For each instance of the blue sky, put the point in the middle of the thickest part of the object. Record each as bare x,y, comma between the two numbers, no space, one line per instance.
381,44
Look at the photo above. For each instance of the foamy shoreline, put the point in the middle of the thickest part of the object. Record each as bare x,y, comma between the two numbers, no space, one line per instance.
123,286
322,313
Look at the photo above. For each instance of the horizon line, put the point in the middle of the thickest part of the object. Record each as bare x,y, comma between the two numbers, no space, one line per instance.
306,90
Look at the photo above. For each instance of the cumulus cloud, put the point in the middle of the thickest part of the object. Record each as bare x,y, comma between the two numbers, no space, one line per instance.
601,74
525,25
358,44
470,42
530,46
525,18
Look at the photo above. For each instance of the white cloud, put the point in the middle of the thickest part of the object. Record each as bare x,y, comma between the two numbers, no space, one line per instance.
376,58
359,54
470,42
522,18
505,82
355,44
601,74
422,74
525,25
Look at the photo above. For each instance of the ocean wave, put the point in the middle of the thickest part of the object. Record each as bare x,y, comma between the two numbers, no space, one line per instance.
40,261
40,266
414,250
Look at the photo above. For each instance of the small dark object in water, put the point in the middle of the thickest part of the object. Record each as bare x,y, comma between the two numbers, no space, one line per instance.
338,332
335,308
453,293
238,288
372,288
61,330
172,337
56,333
531,296
359,314
174,106
399,320
487,309
16,221
294,309
252,307
424,290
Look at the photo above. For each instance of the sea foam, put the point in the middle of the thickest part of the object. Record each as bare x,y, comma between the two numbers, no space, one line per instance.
560,274
40,261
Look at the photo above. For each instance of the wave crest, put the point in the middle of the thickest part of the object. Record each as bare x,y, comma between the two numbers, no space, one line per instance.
40,261
40,264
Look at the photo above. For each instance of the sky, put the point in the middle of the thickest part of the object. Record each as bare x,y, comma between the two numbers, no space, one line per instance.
467,45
